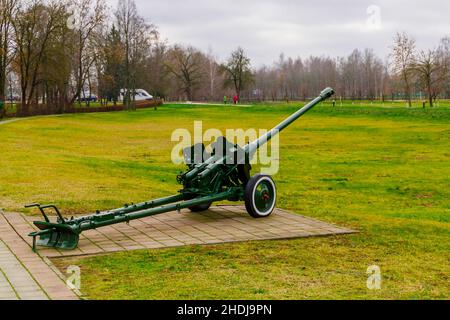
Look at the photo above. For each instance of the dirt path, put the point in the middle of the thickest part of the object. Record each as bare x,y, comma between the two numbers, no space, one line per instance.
9,121
27,118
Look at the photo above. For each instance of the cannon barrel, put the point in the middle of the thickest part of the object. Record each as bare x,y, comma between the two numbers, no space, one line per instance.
255,145
211,165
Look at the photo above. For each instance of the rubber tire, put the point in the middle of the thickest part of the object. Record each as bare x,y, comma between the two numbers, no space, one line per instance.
248,197
200,207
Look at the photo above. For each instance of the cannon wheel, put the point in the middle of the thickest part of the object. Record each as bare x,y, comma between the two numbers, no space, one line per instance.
200,207
260,196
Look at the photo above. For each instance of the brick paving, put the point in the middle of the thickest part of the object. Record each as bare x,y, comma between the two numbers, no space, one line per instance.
17,282
30,276
220,224
25,275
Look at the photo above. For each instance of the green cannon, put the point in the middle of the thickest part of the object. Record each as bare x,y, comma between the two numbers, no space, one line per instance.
222,175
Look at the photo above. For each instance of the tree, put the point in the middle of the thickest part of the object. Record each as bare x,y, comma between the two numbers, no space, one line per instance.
33,26
186,64
212,72
443,56
126,16
403,55
352,75
137,37
156,74
7,14
237,71
264,83
432,70
88,16
110,66
55,71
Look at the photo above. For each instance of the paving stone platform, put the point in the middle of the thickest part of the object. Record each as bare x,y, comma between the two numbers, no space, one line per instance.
220,224
25,275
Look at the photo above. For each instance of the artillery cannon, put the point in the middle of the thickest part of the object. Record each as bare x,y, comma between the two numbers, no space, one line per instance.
222,175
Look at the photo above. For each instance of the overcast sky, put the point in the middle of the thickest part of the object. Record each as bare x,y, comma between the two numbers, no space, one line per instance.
265,28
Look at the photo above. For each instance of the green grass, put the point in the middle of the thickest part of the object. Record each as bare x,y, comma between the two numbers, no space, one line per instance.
382,171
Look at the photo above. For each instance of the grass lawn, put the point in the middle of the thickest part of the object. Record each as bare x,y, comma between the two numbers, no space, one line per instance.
382,171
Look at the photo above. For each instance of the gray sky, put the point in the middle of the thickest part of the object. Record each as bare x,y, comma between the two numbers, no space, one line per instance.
265,28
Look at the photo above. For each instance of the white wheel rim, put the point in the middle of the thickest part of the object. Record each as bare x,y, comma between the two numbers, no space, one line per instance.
268,212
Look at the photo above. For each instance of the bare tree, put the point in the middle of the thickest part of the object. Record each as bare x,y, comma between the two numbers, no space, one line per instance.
33,26
360,75
282,82
443,56
7,14
186,64
136,36
352,74
87,16
213,68
264,83
126,16
403,61
432,71
55,70
156,74
237,70
110,64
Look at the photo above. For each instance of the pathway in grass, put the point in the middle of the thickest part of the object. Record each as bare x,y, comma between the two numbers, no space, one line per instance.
10,121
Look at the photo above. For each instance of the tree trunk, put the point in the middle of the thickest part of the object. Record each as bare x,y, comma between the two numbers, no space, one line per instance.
3,63
407,89
430,96
189,93
2,83
408,95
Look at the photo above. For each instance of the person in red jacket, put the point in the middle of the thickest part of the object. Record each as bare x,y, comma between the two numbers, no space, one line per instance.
235,99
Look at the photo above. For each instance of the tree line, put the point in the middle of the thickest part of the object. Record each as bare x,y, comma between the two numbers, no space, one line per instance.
54,51
405,74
